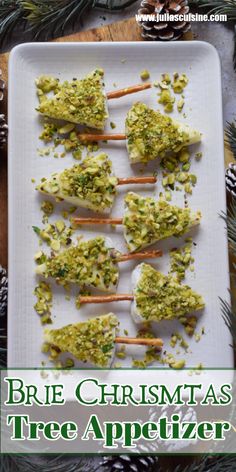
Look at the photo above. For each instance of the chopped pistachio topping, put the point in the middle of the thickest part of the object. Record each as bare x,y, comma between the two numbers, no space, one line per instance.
78,101
90,184
167,100
161,296
90,341
198,156
177,364
178,338
189,324
56,233
48,133
152,354
145,74
43,306
47,209
180,260
151,134
179,82
176,169
180,105
147,220
89,263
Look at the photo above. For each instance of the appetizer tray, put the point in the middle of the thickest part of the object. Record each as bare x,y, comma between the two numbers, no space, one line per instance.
122,64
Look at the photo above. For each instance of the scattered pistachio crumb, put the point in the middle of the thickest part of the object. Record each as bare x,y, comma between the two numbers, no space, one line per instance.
144,75
43,306
179,364
198,156
180,105
180,260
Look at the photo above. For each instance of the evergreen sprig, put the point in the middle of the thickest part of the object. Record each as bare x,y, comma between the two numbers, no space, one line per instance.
230,132
229,317
46,464
230,221
11,16
48,18
225,7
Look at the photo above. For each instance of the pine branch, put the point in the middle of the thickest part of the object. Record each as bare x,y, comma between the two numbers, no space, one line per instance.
11,15
225,7
229,317
38,463
230,220
230,131
49,17
208,463
53,16
8,464
113,5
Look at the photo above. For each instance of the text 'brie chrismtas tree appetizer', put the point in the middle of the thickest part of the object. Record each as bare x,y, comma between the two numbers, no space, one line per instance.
82,102
90,184
92,341
155,296
147,221
90,263
149,134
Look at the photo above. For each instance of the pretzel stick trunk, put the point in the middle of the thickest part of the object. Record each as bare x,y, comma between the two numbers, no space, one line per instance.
93,138
98,221
137,180
156,342
139,255
84,300
128,90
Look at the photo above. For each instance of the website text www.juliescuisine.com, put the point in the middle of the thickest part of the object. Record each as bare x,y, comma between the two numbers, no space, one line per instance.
188,17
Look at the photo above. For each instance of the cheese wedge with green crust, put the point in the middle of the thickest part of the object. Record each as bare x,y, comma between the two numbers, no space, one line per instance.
161,297
90,263
90,184
91,341
150,134
77,101
147,221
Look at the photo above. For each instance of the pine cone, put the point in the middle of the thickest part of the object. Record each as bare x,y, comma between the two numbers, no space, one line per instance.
163,31
2,87
3,125
3,291
3,131
230,179
126,463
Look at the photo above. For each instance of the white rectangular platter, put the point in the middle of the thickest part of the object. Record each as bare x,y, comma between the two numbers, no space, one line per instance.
122,63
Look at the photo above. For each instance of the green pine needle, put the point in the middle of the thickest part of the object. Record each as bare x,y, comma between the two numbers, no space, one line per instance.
230,131
37,463
46,18
53,16
11,15
225,7
230,221
208,463
229,317
113,5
